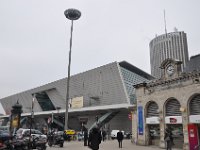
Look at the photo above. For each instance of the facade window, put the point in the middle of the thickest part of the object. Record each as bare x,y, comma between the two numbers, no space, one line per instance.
44,101
131,78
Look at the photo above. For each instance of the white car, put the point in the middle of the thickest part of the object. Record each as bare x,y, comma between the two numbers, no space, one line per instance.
23,133
114,134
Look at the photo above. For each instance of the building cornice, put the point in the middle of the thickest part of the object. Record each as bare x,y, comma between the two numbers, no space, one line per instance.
184,79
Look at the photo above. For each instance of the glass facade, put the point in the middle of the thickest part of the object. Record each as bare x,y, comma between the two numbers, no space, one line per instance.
130,78
44,101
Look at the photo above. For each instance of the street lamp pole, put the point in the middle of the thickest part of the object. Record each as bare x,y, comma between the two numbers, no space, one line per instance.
71,14
31,123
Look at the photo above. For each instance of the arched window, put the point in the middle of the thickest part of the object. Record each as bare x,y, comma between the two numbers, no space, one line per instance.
194,105
152,110
172,108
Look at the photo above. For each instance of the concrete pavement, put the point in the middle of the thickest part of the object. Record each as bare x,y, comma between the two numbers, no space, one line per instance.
107,145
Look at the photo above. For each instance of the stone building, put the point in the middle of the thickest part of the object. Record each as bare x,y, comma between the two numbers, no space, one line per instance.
172,101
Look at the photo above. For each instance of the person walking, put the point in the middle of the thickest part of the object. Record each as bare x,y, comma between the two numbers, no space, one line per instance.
85,136
103,134
120,138
94,139
168,138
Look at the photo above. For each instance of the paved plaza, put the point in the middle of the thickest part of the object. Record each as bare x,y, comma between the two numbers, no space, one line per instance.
107,145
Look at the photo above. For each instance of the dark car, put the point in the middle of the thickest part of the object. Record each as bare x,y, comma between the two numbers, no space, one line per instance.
4,136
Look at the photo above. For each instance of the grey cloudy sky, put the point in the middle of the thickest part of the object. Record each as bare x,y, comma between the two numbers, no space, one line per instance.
34,36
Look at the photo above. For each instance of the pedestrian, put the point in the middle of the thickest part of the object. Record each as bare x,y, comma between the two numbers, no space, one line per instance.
103,135
85,136
120,138
168,138
94,138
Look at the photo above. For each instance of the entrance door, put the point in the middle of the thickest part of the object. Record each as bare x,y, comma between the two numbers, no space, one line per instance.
177,135
154,134
193,135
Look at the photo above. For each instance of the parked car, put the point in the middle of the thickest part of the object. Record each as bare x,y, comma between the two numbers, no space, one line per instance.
69,134
4,136
4,128
38,139
21,133
113,134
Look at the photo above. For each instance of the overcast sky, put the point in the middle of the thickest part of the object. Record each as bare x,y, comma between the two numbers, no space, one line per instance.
34,36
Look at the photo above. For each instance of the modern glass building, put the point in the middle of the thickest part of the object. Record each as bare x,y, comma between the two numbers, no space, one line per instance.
106,92
171,45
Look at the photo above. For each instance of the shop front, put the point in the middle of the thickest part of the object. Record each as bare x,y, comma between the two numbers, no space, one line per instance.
174,123
153,124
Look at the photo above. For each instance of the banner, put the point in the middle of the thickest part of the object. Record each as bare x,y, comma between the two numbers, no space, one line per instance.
140,120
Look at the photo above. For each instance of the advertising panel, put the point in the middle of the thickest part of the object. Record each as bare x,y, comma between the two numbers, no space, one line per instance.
194,118
193,136
77,102
153,120
140,120
173,120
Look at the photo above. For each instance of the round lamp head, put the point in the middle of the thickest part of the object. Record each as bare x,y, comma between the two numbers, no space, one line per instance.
72,14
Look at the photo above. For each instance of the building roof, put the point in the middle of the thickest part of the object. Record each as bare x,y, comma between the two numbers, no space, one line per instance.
132,68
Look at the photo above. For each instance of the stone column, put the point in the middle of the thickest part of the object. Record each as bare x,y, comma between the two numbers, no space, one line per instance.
162,129
134,127
185,129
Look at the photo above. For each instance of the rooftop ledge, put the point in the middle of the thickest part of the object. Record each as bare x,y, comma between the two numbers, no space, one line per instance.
83,109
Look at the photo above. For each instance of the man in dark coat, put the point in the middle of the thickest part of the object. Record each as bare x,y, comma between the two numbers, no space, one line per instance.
94,138
120,137
103,135
168,138
85,136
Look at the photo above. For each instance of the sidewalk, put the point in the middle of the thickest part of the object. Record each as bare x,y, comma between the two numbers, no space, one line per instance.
107,145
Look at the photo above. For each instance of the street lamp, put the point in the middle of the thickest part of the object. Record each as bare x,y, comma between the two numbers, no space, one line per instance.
31,123
71,14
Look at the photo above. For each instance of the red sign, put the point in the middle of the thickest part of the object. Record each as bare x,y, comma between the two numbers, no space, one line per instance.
173,120
193,136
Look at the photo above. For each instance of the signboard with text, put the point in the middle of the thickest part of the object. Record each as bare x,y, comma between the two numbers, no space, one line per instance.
153,120
194,118
173,120
77,102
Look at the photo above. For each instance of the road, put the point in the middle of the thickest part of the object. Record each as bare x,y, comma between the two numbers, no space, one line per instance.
107,145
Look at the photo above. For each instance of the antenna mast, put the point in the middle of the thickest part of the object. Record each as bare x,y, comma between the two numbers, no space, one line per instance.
165,23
